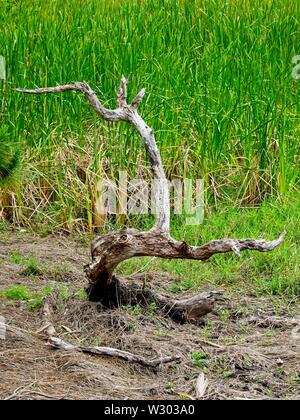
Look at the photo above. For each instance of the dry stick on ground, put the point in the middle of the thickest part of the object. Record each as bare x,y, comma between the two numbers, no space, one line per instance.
110,250
265,321
57,343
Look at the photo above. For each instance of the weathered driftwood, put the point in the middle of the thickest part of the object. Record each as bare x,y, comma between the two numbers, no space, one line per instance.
110,250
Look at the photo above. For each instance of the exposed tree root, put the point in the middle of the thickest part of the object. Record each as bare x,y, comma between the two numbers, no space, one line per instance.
117,293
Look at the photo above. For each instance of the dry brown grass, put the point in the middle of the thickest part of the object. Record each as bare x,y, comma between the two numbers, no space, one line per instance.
242,361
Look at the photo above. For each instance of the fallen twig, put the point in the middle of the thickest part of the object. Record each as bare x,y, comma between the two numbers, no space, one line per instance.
271,321
25,391
55,342
211,344
112,352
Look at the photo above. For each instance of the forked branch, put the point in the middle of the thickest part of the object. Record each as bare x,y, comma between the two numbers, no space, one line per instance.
128,113
108,251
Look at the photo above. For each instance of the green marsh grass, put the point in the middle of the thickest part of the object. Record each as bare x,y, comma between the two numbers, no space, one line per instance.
220,96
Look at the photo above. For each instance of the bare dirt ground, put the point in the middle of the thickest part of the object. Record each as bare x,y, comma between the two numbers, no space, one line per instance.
240,360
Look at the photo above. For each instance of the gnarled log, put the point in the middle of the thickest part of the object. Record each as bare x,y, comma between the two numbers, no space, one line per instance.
111,249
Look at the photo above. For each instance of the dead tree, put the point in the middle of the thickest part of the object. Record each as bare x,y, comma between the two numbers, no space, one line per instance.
110,250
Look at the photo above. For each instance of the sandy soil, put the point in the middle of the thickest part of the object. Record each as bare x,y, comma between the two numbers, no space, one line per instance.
239,360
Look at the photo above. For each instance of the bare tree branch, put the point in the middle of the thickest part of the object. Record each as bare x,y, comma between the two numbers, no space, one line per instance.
129,114
138,99
57,343
111,249
117,114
